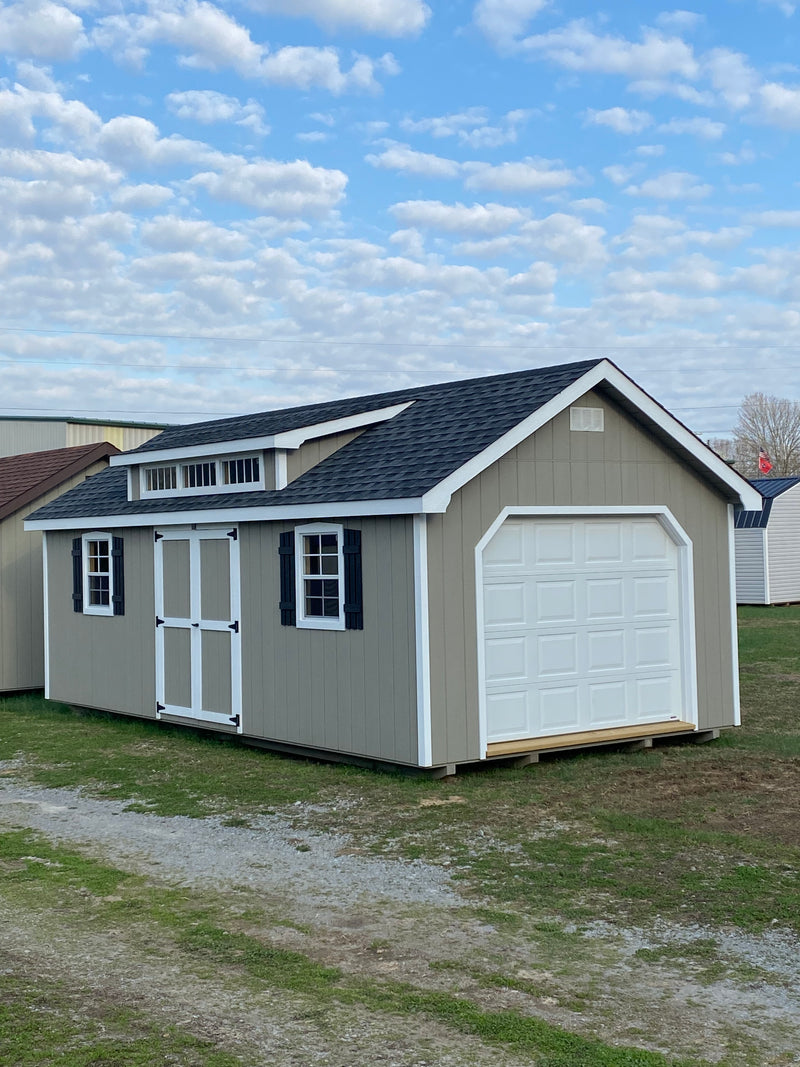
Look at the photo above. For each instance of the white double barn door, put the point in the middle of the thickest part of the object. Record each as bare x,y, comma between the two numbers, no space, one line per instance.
582,626
197,593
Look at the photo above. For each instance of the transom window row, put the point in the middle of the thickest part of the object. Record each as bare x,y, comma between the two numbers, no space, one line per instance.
204,475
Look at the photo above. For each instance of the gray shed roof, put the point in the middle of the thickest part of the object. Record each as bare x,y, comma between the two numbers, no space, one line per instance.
445,426
769,489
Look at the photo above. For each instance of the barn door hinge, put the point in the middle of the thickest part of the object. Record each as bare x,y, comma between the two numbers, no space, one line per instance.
160,707
234,719
234,533
159,622
234,626
157,536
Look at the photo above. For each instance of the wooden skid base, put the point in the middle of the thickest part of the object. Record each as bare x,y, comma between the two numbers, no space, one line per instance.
587,737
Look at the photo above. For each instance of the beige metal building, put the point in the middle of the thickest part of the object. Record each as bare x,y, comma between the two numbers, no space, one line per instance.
21,434
433,576
27,481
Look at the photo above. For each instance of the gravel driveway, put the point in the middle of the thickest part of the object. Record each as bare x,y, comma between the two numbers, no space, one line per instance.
380,919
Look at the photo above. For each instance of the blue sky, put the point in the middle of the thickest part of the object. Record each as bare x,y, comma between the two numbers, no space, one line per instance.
209,208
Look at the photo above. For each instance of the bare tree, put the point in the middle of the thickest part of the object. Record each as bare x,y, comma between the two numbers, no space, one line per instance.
770,423
724,447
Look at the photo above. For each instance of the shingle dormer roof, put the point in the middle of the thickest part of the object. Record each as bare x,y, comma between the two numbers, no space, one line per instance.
443,427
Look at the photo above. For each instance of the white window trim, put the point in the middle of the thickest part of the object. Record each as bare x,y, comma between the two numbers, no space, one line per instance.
314,622
202,490
97,609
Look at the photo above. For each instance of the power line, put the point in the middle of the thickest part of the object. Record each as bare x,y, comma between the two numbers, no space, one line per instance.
404,344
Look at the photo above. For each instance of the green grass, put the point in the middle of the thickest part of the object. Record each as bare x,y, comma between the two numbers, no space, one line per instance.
708,833
44,876
44,1023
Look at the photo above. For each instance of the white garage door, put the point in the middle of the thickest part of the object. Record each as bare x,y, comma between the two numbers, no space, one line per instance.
582,626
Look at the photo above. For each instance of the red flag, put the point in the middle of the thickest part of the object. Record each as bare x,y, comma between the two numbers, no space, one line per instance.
764,463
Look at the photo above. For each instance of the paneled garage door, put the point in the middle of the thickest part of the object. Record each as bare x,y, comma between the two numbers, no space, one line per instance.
581,626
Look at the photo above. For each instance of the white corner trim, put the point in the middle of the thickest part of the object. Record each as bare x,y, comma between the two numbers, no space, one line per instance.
767,594
685,577
438,498
281,469
290,439
737,704
423,642
329,510
46,606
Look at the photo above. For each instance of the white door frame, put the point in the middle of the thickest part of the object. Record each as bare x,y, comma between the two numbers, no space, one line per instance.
677,535
196,625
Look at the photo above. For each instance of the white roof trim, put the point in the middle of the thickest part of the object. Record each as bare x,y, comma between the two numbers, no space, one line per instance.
335,508
438,498
290,439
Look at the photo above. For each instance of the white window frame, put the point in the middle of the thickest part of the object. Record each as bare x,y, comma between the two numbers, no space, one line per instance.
97,609
317,622
203,490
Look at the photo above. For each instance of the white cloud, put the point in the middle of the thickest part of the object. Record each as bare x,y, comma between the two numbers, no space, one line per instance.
205,36
502,21
780,219
41,30
672,185
527,176
731,76
697,127
207,107
275,188
577,47
780,105
649,151
134,142
471,127
301,67
457,218
736,159
618,173
402,158
679,20
36,165
620,119
392,18
313,136
590,203
563,238
169,233
141,197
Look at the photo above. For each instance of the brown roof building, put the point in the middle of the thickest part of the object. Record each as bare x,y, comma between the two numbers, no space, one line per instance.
26,482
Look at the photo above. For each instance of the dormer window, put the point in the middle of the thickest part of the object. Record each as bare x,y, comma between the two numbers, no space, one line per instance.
225,475
240,471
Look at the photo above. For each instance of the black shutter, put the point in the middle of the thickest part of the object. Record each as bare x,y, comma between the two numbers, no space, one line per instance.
288,599
353,592
117,576
77,574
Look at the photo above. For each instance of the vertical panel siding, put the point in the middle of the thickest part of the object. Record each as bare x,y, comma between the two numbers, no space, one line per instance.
21,606
18,436
556,466
101,661
351,691
313,452
783,547
751,569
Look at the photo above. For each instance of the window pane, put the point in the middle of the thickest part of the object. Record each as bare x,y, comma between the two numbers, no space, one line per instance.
312,544
330,564
314,606
312,564
314,588
331,609
329,543
330,588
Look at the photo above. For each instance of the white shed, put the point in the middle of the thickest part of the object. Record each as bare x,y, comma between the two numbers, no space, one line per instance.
768,545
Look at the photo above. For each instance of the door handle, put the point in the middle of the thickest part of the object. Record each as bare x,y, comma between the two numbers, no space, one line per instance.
195,624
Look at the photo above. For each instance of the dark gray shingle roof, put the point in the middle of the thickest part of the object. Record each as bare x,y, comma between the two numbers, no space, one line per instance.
444,427
769,489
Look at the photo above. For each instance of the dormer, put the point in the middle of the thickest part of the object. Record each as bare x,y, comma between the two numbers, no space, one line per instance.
242,464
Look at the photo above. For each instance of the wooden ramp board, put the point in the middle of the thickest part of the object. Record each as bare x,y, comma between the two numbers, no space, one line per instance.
587,737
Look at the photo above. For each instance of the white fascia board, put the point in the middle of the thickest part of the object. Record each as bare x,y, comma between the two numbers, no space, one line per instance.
291,439
294,438
438,498
335,508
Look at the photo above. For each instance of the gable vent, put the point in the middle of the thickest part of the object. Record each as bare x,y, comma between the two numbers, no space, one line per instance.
589,420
